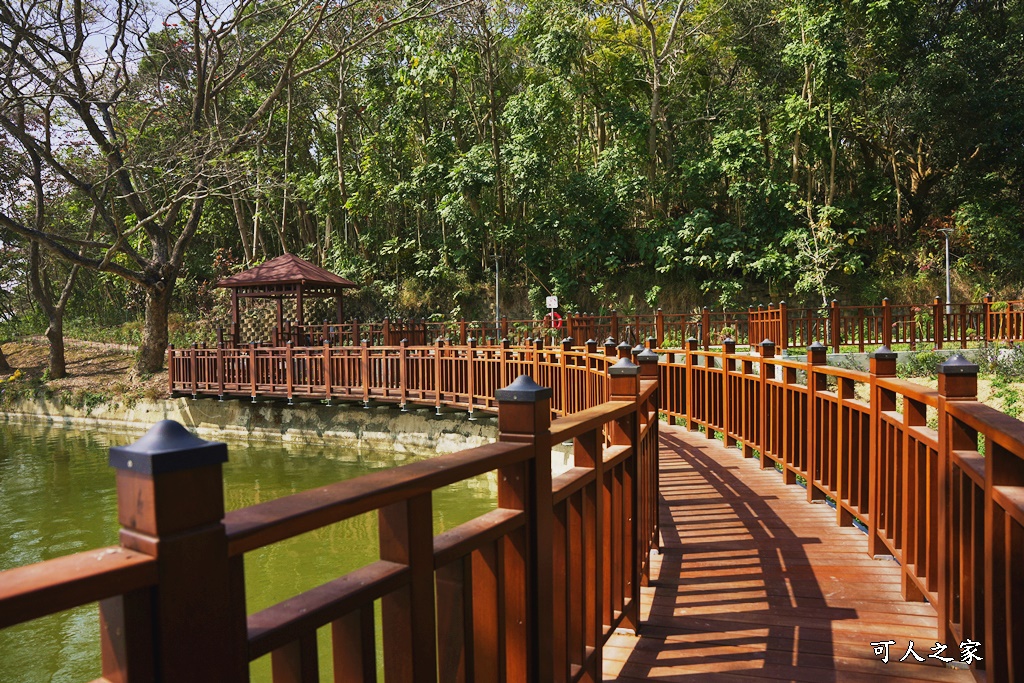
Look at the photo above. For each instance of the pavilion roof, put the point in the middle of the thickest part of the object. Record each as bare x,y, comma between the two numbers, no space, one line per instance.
283,270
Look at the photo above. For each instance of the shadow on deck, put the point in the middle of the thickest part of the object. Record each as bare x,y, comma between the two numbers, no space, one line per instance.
755,583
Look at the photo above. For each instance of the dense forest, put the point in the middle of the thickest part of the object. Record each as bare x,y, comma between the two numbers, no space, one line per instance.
617,153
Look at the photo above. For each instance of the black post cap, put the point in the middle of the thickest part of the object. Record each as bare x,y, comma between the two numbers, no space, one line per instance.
816,345
624,367
647,356
167,447
767,342
883,353
958,365
523,390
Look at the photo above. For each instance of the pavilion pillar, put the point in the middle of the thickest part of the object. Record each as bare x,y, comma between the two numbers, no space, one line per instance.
280,318
298,306
338,310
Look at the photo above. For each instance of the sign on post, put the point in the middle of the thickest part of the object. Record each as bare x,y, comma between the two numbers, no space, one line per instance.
552,302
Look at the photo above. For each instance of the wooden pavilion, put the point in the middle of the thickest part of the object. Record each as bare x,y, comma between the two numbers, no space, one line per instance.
286,276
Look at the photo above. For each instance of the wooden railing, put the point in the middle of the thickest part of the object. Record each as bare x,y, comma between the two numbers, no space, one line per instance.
530,591
439,375
936,477
838,327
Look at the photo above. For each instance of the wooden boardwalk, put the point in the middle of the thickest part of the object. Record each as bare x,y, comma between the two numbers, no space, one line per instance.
755,583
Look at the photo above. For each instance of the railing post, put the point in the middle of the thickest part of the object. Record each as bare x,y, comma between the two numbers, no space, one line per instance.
538,349
462,332
252,371
170,369
705,326
563,361
659,327
289,371
588,379
691,347
986,318
194,367
470,379
364,370
220,370
783,325
438,373
647,478
610,347
767,347
386,332
937,320
963,326
834,318
728,366
886,323
170,496
624,349
524,416
328,378
403,374
881,363
958,381
817,355
624,383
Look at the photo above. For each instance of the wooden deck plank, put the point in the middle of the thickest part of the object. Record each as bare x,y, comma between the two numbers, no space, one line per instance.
755,583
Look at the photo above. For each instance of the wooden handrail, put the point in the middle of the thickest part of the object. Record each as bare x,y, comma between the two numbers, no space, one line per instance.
177,605
55,585
946,500
276,520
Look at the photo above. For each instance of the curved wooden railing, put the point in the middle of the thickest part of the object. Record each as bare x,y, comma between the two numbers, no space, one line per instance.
530,591
464,377
935,477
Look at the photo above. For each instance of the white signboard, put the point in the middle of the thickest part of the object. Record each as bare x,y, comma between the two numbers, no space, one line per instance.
552,302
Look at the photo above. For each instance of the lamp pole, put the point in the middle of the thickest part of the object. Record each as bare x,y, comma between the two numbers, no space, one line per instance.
946,231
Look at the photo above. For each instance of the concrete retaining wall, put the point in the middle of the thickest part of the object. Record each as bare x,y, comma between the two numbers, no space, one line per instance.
379,428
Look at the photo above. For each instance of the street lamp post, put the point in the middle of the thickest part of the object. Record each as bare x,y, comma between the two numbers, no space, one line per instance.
946,231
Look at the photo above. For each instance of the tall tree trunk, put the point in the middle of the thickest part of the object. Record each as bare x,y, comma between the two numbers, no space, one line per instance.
153,349
4,365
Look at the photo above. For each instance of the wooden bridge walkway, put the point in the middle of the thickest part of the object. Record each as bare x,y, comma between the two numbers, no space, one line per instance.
755,583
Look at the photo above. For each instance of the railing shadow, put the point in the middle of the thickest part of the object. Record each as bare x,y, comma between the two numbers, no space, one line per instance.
734,581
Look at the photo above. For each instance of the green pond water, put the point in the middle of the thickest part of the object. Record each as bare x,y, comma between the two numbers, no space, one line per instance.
57,497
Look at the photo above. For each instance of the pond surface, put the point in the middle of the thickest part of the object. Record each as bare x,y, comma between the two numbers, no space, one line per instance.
57,497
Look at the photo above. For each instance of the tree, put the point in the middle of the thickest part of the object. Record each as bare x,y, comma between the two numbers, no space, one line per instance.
156,111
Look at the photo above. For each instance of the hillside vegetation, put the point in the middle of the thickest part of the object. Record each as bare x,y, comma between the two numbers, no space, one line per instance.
623,154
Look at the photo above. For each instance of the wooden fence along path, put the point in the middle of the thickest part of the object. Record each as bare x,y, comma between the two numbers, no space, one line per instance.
933,324
753,584
534,590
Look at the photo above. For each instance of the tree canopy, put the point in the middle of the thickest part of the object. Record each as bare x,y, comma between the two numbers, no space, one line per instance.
623,153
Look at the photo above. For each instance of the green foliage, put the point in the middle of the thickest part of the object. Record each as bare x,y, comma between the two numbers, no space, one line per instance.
921,364
804,147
